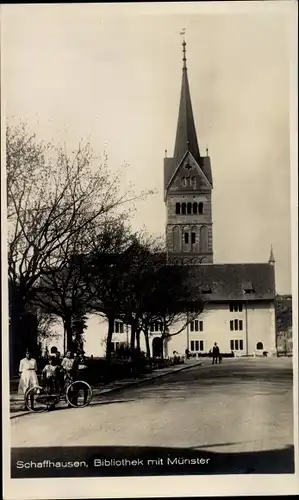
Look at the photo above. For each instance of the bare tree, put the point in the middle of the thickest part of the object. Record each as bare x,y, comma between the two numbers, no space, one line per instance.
108,271
55,200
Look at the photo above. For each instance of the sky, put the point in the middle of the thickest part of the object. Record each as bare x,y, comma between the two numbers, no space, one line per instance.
111,74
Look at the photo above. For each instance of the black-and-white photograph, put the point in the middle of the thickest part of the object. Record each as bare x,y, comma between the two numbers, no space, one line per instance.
148,329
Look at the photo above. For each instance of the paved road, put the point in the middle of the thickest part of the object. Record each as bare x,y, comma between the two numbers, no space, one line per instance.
239,408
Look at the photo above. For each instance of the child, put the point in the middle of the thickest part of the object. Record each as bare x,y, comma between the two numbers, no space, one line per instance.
49,375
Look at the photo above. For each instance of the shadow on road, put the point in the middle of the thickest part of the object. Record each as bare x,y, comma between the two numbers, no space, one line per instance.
156,461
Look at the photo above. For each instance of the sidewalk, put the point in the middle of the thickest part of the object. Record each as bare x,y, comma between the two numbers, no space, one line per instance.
17,401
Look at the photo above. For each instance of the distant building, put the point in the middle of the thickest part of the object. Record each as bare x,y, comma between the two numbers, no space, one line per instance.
284,329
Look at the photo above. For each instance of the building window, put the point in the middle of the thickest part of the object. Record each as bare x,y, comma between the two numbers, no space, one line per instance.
156,327
235,307
177,208
189,208
176,239
193,182
196,345
183,208
196,326
186,238
118,327
200,208
236,345
203,239
248,288
260,346
236,325
193,238
184,181
195,208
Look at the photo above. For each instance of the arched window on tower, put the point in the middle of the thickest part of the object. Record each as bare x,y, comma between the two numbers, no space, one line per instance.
200,208
186,240
195,208
177,208
193,239
189,208
193,182
176,239
203,238
183,208
184,181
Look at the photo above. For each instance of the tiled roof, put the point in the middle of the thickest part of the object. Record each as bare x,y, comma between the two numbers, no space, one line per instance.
236,281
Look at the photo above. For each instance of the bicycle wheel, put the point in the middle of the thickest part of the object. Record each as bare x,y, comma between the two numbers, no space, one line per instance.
78,394
37,399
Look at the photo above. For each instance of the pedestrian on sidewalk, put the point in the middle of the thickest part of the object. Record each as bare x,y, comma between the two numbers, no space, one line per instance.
28,376
215,353
67,366
49,375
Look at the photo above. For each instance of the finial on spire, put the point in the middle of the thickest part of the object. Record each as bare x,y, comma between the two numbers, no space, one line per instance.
207,151
165,153
182,33
271,259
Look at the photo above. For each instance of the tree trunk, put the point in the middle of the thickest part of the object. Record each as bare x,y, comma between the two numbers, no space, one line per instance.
133,334
147,344
138,340
111,319
22,334
68,334
162,347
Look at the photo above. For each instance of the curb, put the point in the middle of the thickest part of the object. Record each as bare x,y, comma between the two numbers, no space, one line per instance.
128,384
155,377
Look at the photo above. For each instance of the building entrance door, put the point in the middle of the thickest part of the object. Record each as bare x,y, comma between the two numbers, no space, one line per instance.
157,347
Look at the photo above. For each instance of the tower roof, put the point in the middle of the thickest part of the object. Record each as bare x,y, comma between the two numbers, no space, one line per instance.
186,138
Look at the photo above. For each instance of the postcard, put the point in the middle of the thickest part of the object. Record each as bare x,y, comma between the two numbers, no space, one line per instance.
149,249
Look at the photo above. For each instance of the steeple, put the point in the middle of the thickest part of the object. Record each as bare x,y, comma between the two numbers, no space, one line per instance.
271,259
186,138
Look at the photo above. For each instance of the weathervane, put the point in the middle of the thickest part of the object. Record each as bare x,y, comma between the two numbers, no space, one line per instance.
183,33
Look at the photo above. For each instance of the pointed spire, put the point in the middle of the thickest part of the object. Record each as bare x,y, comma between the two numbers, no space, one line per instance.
186,138
271,259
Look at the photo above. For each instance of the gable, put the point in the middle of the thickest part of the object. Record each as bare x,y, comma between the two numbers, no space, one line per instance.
188,177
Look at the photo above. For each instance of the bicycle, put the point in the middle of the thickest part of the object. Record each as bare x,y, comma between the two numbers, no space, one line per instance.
38,399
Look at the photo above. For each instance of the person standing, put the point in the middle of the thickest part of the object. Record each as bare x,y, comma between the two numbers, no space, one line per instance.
28,376
67,365
215,353
49,375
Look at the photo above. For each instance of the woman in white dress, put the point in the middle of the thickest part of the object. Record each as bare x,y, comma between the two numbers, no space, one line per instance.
28,377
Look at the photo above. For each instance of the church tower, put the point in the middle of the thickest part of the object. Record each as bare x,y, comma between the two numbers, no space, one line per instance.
188,190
